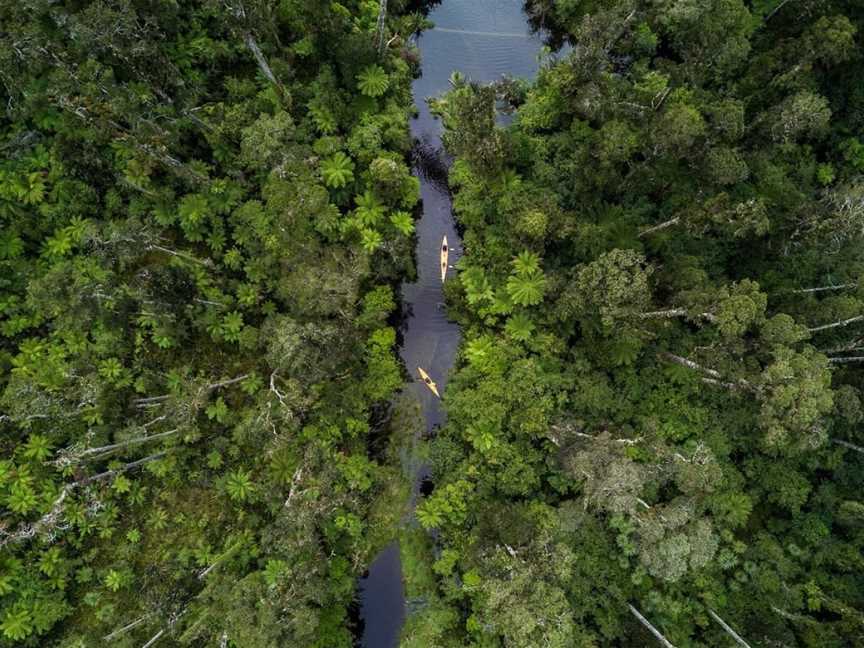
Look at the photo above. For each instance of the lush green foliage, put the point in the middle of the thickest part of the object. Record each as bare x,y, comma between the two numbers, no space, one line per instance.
658,402
205,207
195,343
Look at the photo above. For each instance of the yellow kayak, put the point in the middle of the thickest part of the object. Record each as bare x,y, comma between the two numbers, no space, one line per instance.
445,254
426,379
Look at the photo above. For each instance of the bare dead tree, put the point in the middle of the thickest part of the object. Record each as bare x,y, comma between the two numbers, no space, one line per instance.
677,312
661,226
654,631
239,11
833,325
846,444
261,60
690,364
154,638
819,289
712,376
233,549
52,518
92,453
207,388
775,10
728,629
181,255
126,628
380,27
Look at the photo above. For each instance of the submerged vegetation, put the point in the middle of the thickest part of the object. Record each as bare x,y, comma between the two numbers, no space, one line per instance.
654,428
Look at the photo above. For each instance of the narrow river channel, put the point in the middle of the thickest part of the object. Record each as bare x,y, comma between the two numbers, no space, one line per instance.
484,40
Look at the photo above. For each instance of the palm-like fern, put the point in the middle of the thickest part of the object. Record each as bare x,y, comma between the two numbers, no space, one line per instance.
526,290
369,209
11,245
337,171
371,240
325,120
478,350
527,284
239,486
373,81
193,209
403,222
477,287
519,327
527,263
624,350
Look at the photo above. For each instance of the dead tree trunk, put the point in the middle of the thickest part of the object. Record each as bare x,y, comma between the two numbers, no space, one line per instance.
121,469
676,312
211,387
824,288
381,27
832,325
664,314
775,10
260,59
157,152
126,628
846,444
661,226
233,549
180,255
663,640
684,362
52,517
728,629
713,377
124,444
154,638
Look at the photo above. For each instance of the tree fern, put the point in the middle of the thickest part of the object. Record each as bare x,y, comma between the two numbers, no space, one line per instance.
370,240
477,288
526,264
526,290
239,486
624,350
519,327
403,222
325,120
527,284
337,171
11,245
478,349
193,209
373,81
369,209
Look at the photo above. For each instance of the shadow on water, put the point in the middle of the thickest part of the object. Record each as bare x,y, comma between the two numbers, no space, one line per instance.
431,163
379,431
485,40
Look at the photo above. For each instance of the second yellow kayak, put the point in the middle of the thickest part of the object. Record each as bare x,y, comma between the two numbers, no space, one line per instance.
445,255
426,379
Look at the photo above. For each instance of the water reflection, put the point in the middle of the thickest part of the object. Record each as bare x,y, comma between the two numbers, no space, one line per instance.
485,40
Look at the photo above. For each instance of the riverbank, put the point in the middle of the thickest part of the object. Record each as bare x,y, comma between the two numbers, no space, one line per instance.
485,40
399,541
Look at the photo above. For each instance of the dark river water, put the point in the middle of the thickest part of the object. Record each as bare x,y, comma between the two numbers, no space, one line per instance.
484,40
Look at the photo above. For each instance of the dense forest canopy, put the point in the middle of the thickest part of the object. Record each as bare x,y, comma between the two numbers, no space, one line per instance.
205,209
655,427
657,414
